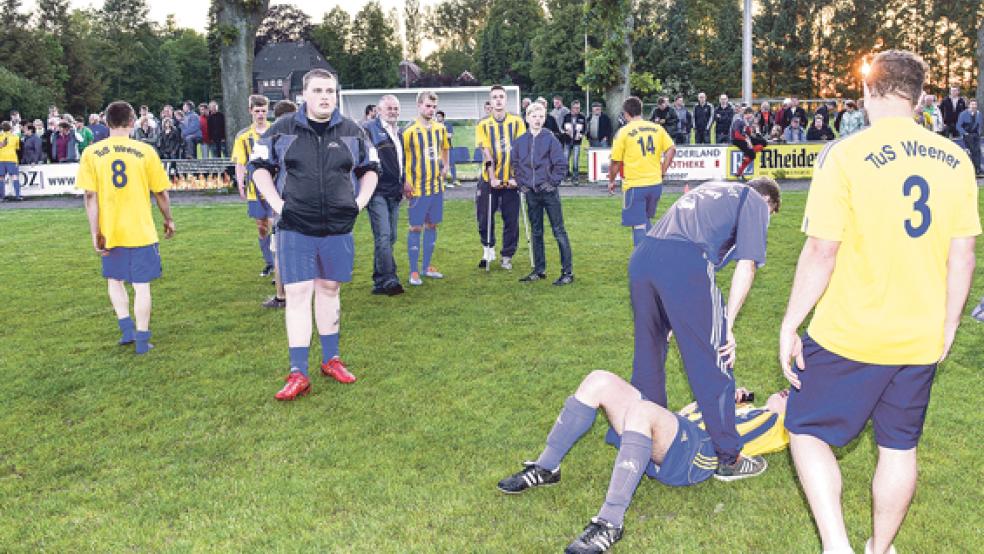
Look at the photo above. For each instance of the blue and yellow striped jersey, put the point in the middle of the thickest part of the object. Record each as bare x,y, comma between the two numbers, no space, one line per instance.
497,137
241,150
423,147
760,431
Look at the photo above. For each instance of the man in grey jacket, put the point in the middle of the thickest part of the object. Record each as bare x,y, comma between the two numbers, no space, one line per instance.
539,165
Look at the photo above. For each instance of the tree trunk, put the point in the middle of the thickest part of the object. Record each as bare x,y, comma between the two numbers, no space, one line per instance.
236,25
615,96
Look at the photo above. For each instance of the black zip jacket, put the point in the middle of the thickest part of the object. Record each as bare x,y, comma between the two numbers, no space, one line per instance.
316,175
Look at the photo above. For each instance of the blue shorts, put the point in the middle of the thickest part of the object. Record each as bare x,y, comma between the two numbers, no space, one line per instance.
689,460
259,209
133,265
639,204
838,396
9,168
305,258
426,209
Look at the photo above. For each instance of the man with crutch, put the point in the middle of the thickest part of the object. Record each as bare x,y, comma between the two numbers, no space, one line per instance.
539,166
497,190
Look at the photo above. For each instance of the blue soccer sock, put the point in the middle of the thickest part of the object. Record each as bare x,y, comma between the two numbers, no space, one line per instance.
3,188
631,462
574,420
126,329
413,250
637,236
299,359
16,187
143,342
430,238
265,249
329,347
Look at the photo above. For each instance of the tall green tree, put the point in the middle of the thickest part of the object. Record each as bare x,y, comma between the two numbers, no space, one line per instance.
283,23
188,51
720,70
558,48
85,88
233,33
31,55
332,37
413,29
608,61
667,54
505,53
375,48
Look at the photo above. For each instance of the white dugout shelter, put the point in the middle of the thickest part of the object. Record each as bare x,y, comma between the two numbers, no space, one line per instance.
457,103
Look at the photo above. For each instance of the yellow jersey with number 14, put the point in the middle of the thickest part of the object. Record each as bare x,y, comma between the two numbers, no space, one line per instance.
640,145
893,195
123,172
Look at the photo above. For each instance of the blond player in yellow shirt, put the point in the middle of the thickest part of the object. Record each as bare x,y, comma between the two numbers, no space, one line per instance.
891,221
642,152
118,176
10,146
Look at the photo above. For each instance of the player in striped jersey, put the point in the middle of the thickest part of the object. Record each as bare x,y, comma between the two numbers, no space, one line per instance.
495,135
257,206
425,164
674,449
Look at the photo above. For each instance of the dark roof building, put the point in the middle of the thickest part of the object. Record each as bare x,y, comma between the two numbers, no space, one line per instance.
279,67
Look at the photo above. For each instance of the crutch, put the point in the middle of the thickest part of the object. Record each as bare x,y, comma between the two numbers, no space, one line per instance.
488,226
526,227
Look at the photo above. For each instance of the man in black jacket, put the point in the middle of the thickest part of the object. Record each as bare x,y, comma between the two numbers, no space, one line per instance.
703,119
384,206
794,110
724,116
317,155
684,122
599,127
574,127
664,115
951,106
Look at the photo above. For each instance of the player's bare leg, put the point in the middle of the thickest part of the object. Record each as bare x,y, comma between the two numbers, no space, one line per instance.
891,491
118,298
327,314
298,313
820,476
605,390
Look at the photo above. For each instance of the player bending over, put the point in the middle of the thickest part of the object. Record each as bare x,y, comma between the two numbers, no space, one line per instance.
118,175
672,448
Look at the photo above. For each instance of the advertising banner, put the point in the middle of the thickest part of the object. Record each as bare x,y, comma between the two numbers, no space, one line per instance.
779,161
58,179
701,162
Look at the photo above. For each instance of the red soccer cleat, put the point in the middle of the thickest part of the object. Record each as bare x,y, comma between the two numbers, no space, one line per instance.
297,385
335,369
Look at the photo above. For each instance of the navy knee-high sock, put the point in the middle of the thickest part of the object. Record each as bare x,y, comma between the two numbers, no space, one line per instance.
637,236
413,250
574,420
430,238
633,458
299,359
265,250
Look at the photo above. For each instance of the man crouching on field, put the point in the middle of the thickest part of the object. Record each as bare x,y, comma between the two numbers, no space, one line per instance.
674,449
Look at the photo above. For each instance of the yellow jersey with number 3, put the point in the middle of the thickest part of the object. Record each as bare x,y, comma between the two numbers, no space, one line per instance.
640,145
123,172
893,195
423,148
497,137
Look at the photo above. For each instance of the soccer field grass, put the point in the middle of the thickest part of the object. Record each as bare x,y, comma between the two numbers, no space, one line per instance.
459,381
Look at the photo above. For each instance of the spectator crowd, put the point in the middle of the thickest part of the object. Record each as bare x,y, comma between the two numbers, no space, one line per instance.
190,132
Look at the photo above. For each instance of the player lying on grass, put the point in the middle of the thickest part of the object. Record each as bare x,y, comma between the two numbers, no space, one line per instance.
671,448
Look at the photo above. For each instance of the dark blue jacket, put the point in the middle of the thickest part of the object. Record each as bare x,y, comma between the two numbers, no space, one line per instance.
31,151
391,175
538,163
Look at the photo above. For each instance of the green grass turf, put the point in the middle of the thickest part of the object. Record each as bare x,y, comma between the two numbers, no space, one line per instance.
460,380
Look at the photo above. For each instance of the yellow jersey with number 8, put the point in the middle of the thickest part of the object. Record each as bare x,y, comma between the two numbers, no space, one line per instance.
123,172
893,195
640,146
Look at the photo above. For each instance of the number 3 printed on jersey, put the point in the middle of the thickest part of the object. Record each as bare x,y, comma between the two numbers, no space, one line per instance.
119,174
925,216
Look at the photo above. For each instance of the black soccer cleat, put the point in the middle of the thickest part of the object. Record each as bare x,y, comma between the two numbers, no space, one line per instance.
531,476
743,468
533,276
565,279
266,271
597,537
